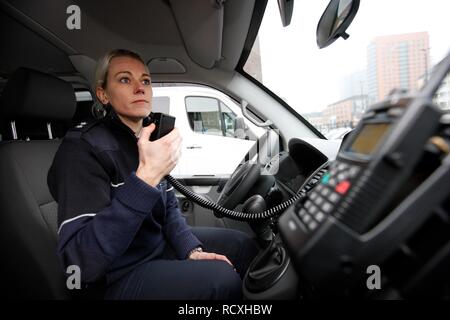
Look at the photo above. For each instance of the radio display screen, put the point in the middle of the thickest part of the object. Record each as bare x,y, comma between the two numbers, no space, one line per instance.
368,138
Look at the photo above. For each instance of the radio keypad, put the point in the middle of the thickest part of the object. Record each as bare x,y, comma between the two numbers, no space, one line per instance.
324,198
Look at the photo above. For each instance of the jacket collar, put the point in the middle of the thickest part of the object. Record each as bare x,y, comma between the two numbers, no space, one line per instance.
113,121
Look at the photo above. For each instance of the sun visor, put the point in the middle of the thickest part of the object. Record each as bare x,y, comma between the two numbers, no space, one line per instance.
201,26
166,66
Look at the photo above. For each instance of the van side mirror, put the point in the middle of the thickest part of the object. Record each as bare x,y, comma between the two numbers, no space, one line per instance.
240,128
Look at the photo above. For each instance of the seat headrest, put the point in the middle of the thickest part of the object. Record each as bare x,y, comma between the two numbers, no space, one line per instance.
33,94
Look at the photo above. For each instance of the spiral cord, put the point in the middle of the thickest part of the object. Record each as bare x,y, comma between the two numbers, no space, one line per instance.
244,216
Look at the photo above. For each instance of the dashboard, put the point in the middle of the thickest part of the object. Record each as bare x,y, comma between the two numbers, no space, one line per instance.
292,168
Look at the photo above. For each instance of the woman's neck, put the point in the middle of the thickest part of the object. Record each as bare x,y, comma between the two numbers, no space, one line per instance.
134,125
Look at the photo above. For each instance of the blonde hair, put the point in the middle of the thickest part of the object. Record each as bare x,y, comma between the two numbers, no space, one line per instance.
101,71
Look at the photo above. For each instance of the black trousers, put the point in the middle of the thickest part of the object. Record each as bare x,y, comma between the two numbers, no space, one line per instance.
169,278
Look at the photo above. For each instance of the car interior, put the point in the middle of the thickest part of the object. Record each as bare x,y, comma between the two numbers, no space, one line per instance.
397,216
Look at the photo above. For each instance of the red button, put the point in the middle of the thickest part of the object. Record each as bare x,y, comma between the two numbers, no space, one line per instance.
343,187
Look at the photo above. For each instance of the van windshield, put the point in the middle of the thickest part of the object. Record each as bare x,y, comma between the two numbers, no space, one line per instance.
392,45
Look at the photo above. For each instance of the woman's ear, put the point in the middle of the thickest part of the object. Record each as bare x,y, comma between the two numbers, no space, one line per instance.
101,95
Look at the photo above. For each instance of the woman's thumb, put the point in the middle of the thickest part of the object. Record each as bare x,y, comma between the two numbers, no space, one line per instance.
147,131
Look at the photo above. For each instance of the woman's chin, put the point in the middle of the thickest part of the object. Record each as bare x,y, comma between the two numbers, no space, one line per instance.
136,116
142,113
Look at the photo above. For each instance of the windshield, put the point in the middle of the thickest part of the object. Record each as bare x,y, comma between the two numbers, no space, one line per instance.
392,45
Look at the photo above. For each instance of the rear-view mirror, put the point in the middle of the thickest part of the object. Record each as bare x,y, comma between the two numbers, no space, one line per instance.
335,20
286,7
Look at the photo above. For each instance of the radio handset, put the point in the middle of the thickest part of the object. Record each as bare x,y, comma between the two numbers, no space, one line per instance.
163,122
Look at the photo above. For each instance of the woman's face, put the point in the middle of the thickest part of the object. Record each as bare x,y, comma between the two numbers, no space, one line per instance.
128,88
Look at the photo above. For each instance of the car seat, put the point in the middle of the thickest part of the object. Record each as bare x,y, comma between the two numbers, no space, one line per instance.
28,213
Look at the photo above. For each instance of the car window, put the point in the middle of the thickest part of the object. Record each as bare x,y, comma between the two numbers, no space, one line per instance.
204,115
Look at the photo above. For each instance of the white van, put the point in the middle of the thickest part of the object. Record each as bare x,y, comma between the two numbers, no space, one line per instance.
215,135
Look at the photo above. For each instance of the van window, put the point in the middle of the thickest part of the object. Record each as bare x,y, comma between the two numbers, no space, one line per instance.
204,115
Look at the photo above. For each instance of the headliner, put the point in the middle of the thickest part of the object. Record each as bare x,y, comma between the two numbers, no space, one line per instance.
198,33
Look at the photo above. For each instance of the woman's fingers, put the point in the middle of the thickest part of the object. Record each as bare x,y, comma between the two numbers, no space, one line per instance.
223,258
211,256
158,158
171,136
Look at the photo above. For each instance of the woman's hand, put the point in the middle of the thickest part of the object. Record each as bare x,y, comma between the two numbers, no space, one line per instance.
197,255
157,158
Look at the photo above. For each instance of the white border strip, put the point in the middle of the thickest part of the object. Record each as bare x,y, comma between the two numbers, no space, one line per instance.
117,185
77,217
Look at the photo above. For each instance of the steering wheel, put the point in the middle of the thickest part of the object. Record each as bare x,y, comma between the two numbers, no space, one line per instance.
239,184
247,173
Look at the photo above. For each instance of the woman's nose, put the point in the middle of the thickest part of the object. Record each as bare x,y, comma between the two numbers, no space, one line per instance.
139,87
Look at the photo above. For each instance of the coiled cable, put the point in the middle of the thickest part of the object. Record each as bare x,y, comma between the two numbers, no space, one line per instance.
244,216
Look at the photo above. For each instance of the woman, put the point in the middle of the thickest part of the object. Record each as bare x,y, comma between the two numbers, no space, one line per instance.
119,219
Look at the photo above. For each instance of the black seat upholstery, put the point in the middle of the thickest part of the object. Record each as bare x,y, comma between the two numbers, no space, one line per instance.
28,213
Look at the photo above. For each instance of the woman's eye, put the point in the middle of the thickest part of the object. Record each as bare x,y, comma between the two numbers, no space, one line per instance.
124,80
147,82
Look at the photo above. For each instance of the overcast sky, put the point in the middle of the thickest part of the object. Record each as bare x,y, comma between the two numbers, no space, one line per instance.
310,79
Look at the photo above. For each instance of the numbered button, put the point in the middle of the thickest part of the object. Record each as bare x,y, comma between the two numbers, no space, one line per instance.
353,171
306,218
334,197
332,182
325,192
327,207
312,225
319,201
319,217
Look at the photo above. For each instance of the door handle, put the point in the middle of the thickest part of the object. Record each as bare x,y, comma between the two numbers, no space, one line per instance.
194,146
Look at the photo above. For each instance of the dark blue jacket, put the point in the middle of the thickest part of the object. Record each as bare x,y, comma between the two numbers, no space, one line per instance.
109,220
